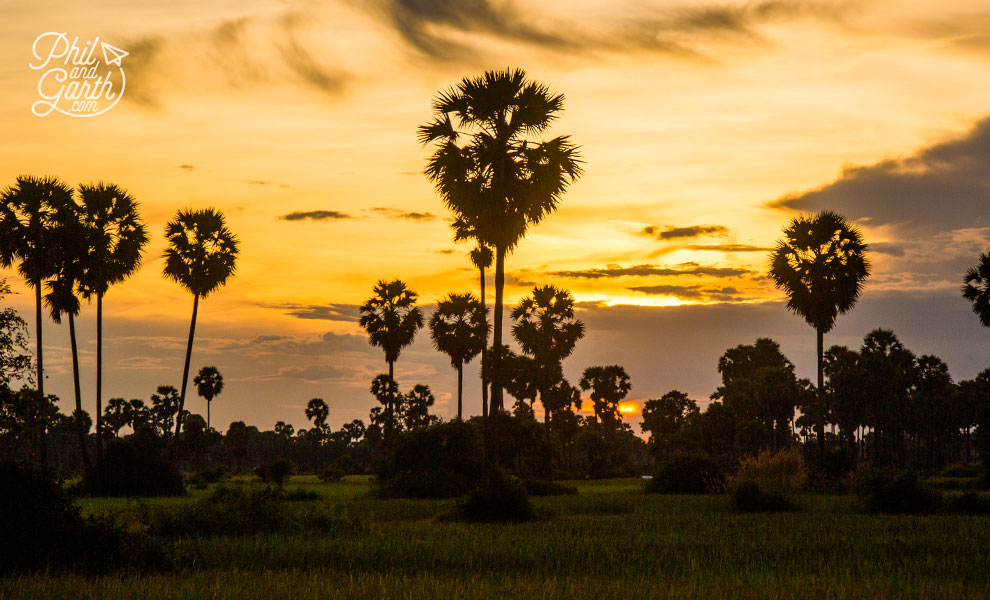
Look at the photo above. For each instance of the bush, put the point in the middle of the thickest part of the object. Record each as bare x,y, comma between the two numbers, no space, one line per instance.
331,475
277,472
439,461
768,481
499,498
135,466
41,529
893,491
963,471
968,503
201,479
542,487
748,496
687,474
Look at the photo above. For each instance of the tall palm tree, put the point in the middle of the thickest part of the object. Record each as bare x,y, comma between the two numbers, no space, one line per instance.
115,238
481,258
201,257
31,214
209,384
391,319
547,330
61,299
820,263
459,330
976,288
505,177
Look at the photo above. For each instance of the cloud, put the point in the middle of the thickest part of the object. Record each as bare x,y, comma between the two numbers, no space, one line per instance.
887,248
315,215
445,251
679,291
284,186
395,213
692,231
186,167
325,312
729,248
940,188
649,270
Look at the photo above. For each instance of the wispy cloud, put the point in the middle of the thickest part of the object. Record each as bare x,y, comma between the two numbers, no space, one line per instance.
315,215
692,231
649,270
324,312
395,213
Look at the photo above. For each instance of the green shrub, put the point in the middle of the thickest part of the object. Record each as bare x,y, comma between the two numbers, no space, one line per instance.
499,498
748,496
963,471
542,487
135,466
687,474
768,481
968,503
277,472
439,461
893,491
332,475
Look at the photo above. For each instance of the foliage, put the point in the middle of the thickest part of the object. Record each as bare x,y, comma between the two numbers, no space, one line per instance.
276,472
748,496
608,385
15,359
666,417
889,490
136,466
542,487
769,481
439,461
499,498
687,474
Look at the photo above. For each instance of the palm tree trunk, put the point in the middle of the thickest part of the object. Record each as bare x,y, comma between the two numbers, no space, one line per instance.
185,368
820,425
208,415
460,388
75,381
484,347
99,386
496,404
388,404
42,450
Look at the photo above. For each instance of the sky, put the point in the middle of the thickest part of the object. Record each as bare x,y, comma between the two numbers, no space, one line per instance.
705,127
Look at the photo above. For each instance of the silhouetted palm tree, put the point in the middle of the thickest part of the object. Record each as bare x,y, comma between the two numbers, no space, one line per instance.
391,319
503,179
201,257
976,288
481,258
547,330
115,238
608,385
820,264
61,299
209,384
30,215
459,330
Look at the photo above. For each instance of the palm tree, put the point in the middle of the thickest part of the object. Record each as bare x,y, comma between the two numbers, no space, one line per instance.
30,217
391,320
608,385
459,330
820,263
209,384
201,257
61,299
115,238
504,177
547,330
976,288
481,258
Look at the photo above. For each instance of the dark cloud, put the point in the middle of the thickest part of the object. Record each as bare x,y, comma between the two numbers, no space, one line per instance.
940,188
395,213
887,248
143,67
649,270
315,215
671,233
679,291
186,167
445,251
284,186
325,312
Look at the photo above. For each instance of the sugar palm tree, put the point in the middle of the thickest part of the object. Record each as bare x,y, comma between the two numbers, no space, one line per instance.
821,264
61,299
31,213
481,258
201,257
391,319
209,384
459,330
115,238
609,385
976,288
503,177
548,331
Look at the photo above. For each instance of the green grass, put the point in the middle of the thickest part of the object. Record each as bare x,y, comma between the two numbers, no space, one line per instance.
609,541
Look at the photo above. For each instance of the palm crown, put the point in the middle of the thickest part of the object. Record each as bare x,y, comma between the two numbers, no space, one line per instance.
115,236
202,252
391,318
458,327
821,264
976,288
545,325
31,212
209,383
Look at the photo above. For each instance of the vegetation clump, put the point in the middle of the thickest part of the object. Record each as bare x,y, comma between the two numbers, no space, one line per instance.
276,472
136,466
687,474
439,461
769,481
894,491
499,498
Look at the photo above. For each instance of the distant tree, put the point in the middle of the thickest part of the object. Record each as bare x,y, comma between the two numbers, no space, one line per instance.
503,179
391,319
666,417
115,238
889,369
284,430
237,439
201,257
15,358
418,402
117,415
820,263
608,385
353,431
458,328
547,330
846,403
317,411
209,384
933,392
30,213
386,391
976,288
165,409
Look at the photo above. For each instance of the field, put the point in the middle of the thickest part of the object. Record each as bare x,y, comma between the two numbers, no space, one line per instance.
609,541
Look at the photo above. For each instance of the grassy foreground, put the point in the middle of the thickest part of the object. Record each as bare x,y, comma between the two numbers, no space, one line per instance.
611,541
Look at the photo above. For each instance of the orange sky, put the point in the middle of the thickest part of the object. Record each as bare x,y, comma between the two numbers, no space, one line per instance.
689,114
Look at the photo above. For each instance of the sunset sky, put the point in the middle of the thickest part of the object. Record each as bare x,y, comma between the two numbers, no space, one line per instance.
705,126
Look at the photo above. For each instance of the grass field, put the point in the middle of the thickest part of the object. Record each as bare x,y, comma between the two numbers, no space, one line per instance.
610,541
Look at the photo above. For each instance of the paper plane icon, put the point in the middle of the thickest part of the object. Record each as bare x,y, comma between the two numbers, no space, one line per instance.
112,54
